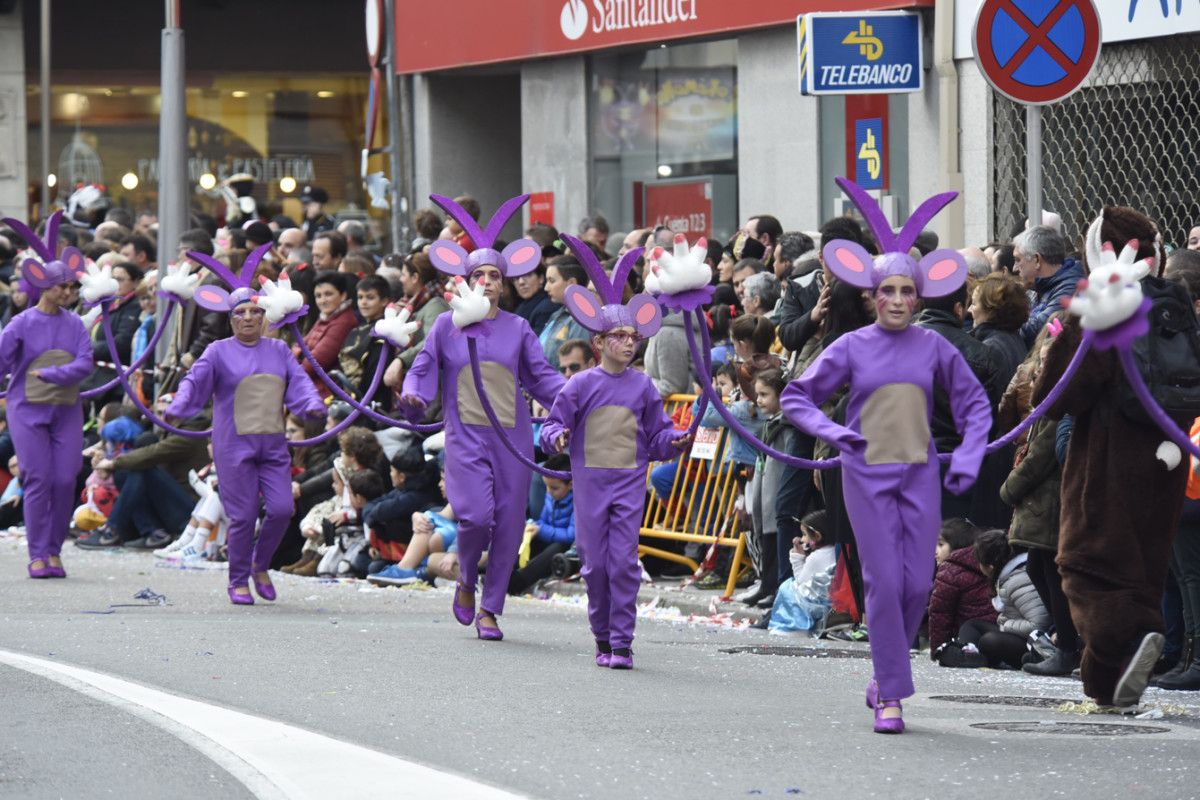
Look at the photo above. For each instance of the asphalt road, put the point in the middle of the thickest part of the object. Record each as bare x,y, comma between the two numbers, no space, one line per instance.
388,674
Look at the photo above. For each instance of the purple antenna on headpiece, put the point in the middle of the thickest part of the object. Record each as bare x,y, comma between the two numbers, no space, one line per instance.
47,249
610,290
251,264
483,238
871,212
220,269
920,218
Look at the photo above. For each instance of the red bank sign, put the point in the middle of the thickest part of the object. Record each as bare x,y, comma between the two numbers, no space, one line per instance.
488,31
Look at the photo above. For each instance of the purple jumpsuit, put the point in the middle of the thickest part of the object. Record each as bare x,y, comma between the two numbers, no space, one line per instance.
250,385
486,485
617,426
46,418
892,488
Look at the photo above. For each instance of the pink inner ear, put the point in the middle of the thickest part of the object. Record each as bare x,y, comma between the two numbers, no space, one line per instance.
523,254
75,260
211,296
584,304
943,269
35,268
449,255
645,314
850,260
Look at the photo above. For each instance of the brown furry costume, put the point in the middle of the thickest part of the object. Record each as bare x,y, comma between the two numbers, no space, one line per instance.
1120,505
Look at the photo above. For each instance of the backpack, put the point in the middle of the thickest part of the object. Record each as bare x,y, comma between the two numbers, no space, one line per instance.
1168,356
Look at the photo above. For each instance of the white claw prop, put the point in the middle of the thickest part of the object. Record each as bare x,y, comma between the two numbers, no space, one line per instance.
279,298
469,305
682,271
1111,294
396,327
179,281
97,283
90,318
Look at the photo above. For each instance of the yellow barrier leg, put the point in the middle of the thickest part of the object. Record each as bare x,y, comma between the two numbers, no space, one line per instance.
667,555
735,566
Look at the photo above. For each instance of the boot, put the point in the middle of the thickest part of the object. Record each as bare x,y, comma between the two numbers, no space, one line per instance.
305,557
1185,661
1187,680
307,569
1059,663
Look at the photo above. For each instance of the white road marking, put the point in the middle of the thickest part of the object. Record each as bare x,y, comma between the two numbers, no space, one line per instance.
272,759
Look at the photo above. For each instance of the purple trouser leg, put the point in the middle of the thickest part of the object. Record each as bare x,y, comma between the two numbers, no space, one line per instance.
261,468
49,454
608,519
894,511
487,488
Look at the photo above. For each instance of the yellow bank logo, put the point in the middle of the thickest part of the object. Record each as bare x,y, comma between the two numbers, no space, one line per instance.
870,46
869,152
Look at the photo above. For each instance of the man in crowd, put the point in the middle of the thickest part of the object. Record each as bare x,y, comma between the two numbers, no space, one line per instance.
1042,263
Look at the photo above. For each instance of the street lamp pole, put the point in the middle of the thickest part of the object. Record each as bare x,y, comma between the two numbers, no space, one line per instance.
172,148
45,97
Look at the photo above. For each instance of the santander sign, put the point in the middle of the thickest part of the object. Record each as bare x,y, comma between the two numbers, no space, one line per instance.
575,19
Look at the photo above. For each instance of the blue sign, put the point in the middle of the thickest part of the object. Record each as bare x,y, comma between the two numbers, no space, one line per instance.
877,53
869,149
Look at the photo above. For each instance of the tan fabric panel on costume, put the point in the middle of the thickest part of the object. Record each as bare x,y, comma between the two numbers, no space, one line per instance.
258,404
895,423
39,391
610,438
501,390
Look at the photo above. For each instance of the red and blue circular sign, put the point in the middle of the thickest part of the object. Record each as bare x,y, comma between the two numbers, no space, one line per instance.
1037,51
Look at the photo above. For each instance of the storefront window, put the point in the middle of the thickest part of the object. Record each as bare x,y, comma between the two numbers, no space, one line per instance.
663,138
284,132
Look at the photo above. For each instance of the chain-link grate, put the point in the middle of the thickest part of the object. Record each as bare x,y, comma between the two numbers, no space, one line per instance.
1130,136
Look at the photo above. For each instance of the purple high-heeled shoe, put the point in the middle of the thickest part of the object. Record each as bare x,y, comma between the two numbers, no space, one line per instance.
621,658
603,654
888,724
39,572
265,590
240,599
464,614
487,632
55,572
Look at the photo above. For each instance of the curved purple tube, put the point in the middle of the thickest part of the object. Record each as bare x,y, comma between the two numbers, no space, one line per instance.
473,350
732,421
380,368
137,363
1165,423
341,394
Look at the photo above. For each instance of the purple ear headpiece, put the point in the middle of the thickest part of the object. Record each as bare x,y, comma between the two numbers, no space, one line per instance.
214,298
47,269
641,313
936,275
519,258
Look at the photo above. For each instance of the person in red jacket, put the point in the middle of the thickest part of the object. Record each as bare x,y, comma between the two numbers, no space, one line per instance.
961,591
329,332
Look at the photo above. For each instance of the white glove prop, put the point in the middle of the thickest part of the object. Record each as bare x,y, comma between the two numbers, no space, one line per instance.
90,318
396,326
279,298
469,306
97,283
682,271
1111,294
179,281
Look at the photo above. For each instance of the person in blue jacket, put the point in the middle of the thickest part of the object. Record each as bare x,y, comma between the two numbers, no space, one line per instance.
555,528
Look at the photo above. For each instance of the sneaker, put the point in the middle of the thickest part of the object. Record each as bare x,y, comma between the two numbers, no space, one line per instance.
1131,685
750,596
100,539
710,581
173,547
151,541
395,575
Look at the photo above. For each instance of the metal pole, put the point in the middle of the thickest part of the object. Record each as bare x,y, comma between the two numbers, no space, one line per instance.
45,97
172,149
1033,163
396,156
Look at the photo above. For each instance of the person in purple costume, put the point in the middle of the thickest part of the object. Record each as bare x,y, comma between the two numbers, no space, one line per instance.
612,420
485,484
249,379
48,352
890,467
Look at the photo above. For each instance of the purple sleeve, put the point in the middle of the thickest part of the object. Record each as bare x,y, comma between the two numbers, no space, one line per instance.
802,398
301,396
562,417
196,387
969,405
78,369
10,345
537,376
659,429
421,379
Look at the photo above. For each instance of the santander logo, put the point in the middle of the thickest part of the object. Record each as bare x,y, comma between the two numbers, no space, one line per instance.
574,19
619,15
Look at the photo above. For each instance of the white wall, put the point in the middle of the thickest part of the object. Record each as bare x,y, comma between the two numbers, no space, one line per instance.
13,152
975,152
554,136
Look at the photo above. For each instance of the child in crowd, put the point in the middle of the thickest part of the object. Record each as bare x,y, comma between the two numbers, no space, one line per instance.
12,511
961,591
331,511
365,487
206,529
435,535
553,532
764,487
1021,611
803,600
